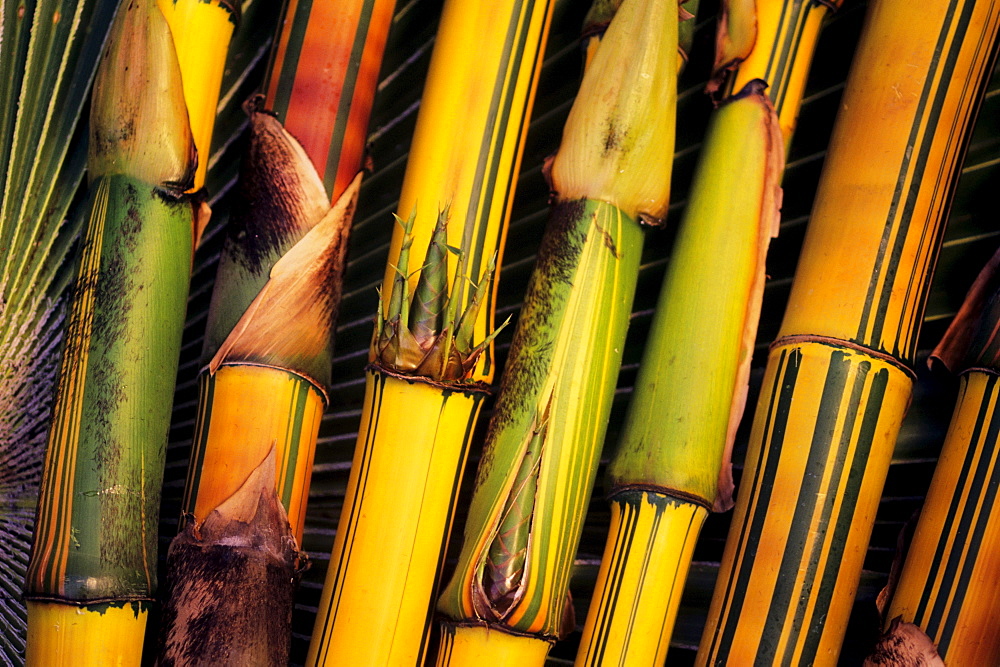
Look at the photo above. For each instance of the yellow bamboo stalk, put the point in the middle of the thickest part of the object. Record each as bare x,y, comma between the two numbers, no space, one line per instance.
948,586
771,40
414,438
201,31
838,383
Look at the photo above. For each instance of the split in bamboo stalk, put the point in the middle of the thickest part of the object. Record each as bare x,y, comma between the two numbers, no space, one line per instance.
429,362
509,591
268,346
92,571
772,40
838,381
672,464
46,68
948,587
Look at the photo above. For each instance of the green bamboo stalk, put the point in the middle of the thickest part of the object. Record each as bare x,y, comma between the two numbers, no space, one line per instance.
674,456
92,571
46,68
612,170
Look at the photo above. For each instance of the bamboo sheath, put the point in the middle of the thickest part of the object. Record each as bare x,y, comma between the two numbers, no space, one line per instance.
837,382
95,539
672,464
948,586
352,36
509,590
417,422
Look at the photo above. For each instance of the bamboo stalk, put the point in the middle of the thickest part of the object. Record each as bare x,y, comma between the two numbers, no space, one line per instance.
201,31
432,349
672,464
47,69
509,590
947,587
771,40
837,382
270,335
269,339
95,540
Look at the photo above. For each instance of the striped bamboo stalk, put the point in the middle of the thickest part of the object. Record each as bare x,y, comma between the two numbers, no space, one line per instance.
269,340
46,67
948,586
672,464
431,354
838,380
772,40
509,590
201,31
92,571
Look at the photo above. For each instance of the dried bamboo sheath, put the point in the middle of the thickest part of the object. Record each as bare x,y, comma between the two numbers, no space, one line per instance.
837,383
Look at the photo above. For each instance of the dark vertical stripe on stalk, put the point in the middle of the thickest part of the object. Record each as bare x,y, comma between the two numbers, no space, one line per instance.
975,541
805,507
494,132
922,275
494,137
206,391
845,515
948,528
658,502
446,529
969,530
765,469
347,97
623,544
345,553
913,161
293,439
290,65
847,431
674,578
782,61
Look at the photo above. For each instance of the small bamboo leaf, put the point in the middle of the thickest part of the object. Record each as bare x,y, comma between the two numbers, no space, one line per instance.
431,294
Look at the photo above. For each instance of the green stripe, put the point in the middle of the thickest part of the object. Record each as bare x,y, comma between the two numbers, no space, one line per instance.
764,469
789,571
347,95
342,560
290,66
845,518
969,530
948,528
